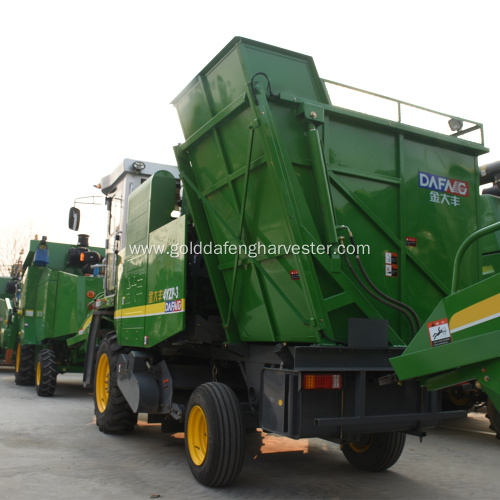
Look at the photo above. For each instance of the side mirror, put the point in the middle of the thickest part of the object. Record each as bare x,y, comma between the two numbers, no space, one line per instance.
74,218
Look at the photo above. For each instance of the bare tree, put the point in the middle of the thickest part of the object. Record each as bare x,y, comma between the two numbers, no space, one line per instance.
14,244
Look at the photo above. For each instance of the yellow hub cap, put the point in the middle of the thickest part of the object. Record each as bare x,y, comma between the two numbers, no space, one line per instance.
102,383
18,357
459,398
197,435
361,446
38,373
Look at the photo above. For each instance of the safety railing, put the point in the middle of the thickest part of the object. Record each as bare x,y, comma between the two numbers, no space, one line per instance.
399,111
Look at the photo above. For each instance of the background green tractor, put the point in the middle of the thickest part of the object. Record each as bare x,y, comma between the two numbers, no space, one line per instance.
10,293
59,286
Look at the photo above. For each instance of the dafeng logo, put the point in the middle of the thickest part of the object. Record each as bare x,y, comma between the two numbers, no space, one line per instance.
443,184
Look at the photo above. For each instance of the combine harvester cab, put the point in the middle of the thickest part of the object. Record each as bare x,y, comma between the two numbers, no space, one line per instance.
263,321
118,187
58,291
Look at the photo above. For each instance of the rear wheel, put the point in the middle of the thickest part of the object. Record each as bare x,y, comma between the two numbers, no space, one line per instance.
494,418
25,365
214,435
113,413
456,398
46,373
375,452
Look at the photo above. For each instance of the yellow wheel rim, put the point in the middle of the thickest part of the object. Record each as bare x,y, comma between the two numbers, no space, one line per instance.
459,399
197,435
102,383
18,357
38,373
361,447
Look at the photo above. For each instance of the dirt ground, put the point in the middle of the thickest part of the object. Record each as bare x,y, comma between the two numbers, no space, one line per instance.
51,448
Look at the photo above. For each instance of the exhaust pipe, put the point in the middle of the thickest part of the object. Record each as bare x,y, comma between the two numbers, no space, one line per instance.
495,190
490,173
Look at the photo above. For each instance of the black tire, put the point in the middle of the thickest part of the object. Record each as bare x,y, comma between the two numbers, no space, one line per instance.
214,435
46,373
25,365
113,413
375,452
455,398
494,418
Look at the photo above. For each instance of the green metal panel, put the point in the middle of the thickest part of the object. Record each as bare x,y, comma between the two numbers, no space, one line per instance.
459,341
227,78
32,300
489,213
46,303
139,296
9,324
132,288
72,302
286,168
54,301
3,286
166,296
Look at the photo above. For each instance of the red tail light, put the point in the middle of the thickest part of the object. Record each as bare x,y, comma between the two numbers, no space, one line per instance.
321,381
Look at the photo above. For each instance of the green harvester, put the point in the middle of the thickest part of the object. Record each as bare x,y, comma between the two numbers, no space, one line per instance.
296,272
57,294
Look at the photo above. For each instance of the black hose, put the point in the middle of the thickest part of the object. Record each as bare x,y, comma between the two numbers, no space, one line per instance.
268,87
380,292
380,299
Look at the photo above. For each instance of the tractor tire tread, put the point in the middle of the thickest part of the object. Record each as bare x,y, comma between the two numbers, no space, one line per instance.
26,373
224,421
48,378
383,453
118,418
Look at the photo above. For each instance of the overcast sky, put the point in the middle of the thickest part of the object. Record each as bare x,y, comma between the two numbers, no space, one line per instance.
87,83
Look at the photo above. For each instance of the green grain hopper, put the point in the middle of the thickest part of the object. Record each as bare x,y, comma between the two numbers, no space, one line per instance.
312,243
269,160
58,291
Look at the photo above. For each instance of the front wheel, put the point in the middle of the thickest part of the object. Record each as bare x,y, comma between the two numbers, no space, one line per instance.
375,452
46,373
25,365
214,435
113,413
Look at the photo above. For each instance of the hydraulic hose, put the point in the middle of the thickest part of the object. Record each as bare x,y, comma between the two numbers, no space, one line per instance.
389,301
381,293
377,297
